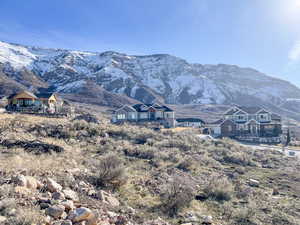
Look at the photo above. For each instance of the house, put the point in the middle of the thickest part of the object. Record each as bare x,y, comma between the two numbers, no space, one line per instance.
247,122
22,99
27,101
222,128
145,113
49,99
189,122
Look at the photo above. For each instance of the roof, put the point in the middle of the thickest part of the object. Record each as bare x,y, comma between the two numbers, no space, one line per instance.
126,108
220,121
231,111
275,116
45,95
195,120
246,109
139,107
26,92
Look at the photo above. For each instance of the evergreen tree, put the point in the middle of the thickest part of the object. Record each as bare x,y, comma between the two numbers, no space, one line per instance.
288,138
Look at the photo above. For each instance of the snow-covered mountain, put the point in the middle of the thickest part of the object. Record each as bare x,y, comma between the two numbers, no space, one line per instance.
144,78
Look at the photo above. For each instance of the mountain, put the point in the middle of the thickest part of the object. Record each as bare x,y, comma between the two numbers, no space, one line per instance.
160,77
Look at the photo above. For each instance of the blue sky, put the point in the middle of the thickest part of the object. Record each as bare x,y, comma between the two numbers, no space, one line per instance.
263,34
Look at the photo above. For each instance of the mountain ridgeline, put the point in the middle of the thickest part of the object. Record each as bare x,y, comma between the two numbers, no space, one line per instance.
112,79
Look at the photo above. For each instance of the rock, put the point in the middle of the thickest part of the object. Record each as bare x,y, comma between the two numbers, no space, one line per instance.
254,183
33,183
44,205
70,194
19,180
44,200
2,219
81,214
207,220
24,191
55,211
108,199
52,186
58,195
68,204
275,191
67,222
186,224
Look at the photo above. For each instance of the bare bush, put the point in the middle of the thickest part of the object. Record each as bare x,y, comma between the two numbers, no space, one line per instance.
178,193
219,188
110,171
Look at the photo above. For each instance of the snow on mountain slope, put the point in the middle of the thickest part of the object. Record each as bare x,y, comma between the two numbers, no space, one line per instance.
144,78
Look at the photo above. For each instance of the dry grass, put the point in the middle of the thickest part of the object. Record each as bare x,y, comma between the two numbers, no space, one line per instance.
219,170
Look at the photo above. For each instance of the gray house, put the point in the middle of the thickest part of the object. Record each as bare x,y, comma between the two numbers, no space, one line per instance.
145,113
189,122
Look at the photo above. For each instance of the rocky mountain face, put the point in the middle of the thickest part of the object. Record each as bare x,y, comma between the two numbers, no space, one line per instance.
162,78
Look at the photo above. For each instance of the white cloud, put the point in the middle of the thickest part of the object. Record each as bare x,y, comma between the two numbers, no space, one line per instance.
294,54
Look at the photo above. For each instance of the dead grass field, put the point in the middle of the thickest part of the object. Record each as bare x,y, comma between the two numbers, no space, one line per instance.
152,161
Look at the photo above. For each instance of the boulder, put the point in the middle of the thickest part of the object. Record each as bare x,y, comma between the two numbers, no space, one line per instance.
55,211
24,191
52,186
254,183
33,183
67,222
58,195
19,180
2,219
81,214
108,199
70,194
68,204
207,220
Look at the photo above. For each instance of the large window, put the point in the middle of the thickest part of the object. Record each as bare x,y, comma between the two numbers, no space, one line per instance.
144,115
131,115
121,116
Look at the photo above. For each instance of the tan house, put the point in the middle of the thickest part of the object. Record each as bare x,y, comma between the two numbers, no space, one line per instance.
27,100
22,99
49,99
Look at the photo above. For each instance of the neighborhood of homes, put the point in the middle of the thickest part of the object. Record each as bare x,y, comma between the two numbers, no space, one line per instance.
244,123
253,124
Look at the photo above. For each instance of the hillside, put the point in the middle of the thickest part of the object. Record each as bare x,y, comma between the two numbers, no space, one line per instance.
100,173
161,77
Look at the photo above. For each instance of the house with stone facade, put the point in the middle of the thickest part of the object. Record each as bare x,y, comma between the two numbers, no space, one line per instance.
248,122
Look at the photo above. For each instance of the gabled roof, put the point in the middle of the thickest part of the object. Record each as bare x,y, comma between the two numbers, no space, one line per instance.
25,92
244,109
275,116
250,110
139,107
126,108
218,122
45,95
193,120
231,111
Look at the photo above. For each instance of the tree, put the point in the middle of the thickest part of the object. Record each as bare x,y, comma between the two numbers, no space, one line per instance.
288,138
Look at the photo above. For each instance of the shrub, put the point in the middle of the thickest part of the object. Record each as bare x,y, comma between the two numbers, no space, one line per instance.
186,164
143,152
219,188
110,171
177,194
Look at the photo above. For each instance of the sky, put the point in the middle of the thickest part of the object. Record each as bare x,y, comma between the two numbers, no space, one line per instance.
261,34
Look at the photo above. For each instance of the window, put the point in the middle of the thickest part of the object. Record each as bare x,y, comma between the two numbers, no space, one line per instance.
131,115
241,117
121,116
229,128
144,115
159,114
